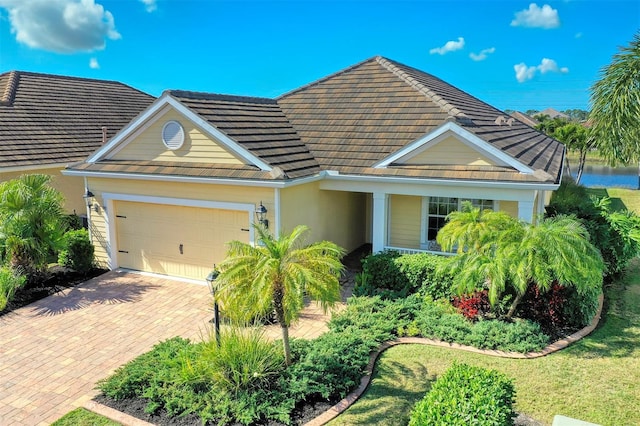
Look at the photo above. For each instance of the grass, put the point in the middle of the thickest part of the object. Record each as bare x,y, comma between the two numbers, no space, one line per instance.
595,379
82,417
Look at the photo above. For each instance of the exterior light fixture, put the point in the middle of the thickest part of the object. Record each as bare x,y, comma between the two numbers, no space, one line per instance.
261,214
211,279
90,200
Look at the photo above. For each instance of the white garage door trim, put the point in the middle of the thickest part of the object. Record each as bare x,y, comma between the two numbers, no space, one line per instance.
108,198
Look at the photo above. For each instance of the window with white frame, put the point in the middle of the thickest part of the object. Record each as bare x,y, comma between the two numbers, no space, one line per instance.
435,211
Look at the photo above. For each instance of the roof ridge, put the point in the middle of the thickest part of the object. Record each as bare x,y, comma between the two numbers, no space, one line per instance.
76,78
437,99
316,82
9,92
190,94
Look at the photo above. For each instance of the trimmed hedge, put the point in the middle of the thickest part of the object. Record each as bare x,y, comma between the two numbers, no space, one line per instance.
465,395
391,275
77,252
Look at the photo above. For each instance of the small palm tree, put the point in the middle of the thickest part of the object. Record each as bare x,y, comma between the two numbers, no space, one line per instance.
279,272
516,254
31,226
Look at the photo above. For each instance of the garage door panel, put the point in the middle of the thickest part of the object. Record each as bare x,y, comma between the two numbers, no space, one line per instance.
149,237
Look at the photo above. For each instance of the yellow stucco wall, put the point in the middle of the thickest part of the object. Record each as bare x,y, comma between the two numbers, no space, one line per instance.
509,207
336,216
197,147
449,151
223,193
405,221
72,187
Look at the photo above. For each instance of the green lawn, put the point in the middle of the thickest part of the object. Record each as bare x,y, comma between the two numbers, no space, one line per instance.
82,417
595,379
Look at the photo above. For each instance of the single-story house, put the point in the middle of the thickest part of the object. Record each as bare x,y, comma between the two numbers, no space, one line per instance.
377,153
48,122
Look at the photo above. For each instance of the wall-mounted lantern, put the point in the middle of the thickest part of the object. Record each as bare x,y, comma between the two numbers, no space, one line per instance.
261,215
91,201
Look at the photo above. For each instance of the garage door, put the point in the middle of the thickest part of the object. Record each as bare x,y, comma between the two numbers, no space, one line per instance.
175,240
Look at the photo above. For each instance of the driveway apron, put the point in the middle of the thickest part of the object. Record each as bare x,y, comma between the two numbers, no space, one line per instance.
53,351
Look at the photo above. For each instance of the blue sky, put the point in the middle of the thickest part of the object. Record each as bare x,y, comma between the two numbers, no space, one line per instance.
511,54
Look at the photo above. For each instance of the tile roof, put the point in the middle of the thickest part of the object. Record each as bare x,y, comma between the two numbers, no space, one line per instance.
48,119
351,120
258,124
526,119
360,115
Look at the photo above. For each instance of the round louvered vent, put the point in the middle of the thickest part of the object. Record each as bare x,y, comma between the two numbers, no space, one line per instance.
172,135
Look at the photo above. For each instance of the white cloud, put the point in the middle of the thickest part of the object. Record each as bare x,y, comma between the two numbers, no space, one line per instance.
93,64
150,5
537,17
524,72
449,46
482,55
63,26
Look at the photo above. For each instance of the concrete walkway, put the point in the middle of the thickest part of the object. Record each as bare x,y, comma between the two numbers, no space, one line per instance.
53,351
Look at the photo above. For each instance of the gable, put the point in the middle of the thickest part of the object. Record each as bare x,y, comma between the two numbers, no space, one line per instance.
450,150
198,147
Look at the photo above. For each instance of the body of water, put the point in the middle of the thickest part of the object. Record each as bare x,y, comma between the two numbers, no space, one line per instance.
610,177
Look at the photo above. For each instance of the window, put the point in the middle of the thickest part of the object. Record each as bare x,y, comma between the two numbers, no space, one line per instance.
437,209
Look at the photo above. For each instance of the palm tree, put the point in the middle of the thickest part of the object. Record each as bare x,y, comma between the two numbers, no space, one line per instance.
470,226
575,137
31,225
279,272
615,106
517,254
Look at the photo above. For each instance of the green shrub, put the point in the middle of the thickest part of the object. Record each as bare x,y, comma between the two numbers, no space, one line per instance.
423,273
72,222
10,281
391,275
610,232
330,366
130,380
466,395
580,308
77,252
379,318
382,320
244,361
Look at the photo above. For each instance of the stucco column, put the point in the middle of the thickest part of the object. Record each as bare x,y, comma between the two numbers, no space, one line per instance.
379,231
525,210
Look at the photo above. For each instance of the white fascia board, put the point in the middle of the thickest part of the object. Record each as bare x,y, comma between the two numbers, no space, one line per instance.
336,180
157,107
188,179
184,202
465,136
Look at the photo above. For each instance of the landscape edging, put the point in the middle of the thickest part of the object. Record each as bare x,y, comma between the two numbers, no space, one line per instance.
343,404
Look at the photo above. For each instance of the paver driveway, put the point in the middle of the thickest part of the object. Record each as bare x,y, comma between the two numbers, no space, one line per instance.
53,351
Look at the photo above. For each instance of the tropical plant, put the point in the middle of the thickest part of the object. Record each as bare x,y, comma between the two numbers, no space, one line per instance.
575,137
31,224
615,106
279,272
10,281
515,254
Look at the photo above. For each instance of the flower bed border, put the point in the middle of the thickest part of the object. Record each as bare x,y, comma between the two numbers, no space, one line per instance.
345,403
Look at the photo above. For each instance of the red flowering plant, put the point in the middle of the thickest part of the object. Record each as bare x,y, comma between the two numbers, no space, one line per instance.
474,305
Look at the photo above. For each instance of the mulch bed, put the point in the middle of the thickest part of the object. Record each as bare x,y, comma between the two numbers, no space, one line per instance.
135,408
56,280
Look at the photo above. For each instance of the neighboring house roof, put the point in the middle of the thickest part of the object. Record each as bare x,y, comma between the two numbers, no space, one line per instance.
359,121
48,119
553,113
526,119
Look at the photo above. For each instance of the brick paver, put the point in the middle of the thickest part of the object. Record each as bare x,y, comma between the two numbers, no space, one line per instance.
52,352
